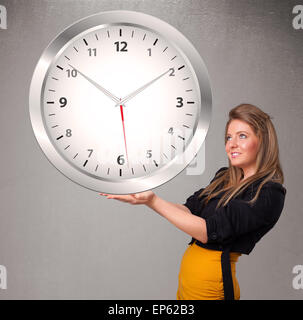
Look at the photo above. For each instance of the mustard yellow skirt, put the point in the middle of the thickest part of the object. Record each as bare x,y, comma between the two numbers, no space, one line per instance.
200,276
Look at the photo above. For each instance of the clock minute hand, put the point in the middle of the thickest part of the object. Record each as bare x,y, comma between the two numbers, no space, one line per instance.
133,94
98,86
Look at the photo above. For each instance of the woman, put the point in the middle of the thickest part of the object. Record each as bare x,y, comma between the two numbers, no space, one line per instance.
228,217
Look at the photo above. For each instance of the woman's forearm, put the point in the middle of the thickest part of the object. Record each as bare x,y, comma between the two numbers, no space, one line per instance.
183,219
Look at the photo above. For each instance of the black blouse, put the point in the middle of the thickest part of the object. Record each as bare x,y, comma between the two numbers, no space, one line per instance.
238,226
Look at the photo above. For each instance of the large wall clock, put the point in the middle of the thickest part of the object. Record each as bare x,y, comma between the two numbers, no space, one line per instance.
120,102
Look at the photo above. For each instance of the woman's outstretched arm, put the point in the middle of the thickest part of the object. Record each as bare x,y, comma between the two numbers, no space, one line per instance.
176,214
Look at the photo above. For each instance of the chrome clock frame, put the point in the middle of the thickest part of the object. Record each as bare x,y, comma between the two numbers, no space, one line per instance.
58,45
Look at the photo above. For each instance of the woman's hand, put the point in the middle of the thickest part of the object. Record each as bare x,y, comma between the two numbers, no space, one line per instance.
145,197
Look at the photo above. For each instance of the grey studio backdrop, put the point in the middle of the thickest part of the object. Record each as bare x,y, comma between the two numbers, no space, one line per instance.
61,241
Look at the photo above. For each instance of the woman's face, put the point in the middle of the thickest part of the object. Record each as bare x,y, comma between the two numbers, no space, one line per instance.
242,146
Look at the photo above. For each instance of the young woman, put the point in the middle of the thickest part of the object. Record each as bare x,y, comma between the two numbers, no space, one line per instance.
229,216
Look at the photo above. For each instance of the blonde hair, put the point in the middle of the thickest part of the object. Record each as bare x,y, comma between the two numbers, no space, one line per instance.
267,163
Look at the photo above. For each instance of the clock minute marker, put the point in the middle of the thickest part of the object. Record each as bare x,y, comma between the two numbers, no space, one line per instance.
181,67
96,36
144,37
190,102
76,49
173,58
75,155
59,67
108,34
67,57
120,32
155,42
181,137
189,90
185,79
59,137
96,167
55,126
85,163
84,40
67,147
50,102
156,164
184,125
51,90
164,49
133,33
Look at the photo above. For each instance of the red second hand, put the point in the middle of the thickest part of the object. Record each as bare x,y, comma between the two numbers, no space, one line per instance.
122,117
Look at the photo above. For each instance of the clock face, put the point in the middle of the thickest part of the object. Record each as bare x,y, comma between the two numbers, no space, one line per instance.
121,108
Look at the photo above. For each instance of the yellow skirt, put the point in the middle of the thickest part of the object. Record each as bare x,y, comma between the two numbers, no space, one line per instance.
200,276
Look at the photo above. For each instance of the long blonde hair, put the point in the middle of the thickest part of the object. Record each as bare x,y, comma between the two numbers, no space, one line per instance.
267,163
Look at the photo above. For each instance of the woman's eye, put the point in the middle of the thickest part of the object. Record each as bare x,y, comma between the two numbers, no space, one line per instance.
242,136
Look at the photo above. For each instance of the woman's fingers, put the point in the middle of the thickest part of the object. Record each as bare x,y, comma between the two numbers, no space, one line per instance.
124,198
136,198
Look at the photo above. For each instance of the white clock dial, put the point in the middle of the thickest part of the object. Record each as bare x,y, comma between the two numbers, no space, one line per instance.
120,103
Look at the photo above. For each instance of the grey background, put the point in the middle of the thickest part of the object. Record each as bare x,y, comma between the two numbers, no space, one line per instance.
59,240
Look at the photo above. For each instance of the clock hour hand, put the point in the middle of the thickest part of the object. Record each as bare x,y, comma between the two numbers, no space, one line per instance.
98,86
133,94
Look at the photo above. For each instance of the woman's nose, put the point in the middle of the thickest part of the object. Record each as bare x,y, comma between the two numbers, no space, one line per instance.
233,142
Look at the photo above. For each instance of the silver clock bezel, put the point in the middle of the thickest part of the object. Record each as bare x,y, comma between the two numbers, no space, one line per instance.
105,19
